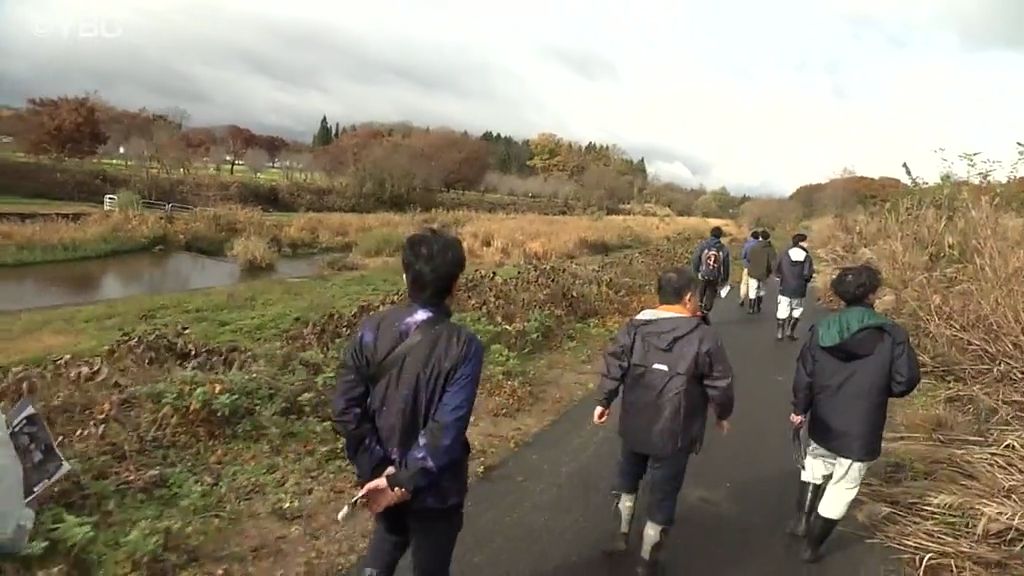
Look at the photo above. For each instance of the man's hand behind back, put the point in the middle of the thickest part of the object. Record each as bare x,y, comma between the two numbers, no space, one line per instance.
723,426
601,415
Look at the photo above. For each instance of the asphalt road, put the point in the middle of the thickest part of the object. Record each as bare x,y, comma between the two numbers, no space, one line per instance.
547,510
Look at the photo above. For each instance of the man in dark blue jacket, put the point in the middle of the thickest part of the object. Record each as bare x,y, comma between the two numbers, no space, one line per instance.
711,266
752,241
405,427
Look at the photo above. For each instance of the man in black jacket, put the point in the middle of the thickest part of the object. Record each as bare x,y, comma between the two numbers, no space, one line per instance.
795,270
852,363
761,258
405,425
669,365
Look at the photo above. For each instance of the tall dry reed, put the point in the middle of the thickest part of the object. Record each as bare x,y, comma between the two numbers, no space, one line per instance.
950,486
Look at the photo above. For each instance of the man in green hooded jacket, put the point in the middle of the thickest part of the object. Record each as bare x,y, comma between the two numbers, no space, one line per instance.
852,363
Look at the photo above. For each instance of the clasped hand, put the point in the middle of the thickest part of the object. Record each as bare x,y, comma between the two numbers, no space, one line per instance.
379,496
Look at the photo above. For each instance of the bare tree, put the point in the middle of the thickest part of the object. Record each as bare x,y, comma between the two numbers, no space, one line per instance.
256,160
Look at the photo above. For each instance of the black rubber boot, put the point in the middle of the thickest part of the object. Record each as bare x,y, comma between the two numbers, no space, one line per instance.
818,531
791,328
806,503
780,327
751,305
625,506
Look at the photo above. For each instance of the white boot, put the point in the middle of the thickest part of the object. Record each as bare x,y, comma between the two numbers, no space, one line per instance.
650,548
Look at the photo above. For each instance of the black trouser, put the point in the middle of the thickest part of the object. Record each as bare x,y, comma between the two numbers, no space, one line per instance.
667,475
431,532
708,293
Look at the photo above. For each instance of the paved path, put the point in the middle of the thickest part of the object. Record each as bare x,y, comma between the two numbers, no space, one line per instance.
547,509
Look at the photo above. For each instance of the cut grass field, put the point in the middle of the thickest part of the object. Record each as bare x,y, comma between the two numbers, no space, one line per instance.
18,205
197,422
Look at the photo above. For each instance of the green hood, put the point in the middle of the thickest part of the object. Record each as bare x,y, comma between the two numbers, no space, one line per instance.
839,326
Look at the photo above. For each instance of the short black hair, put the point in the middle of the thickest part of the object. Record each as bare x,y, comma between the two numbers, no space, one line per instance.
675,284
432,261
756,234
766,235
855,284
799,237
717,232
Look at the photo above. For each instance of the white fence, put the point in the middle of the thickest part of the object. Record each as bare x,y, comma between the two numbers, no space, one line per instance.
110,204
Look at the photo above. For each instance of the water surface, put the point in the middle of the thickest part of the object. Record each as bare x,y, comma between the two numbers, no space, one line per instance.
83,281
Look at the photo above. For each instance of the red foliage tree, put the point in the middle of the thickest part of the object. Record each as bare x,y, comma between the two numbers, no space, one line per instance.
66,126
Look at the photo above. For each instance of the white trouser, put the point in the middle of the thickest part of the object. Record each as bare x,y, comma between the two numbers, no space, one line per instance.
842,487
755,287
787,307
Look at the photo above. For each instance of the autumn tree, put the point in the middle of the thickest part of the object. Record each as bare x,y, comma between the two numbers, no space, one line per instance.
272,145
66,126
605,188
237,141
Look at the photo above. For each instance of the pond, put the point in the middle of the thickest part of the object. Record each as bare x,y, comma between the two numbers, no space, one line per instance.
83,281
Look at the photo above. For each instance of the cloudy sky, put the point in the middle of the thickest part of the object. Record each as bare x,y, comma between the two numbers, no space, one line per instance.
758,96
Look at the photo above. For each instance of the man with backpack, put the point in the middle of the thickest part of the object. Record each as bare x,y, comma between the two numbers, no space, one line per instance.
853,361
668,365
762,262
795,270
755,236
404,397
711,266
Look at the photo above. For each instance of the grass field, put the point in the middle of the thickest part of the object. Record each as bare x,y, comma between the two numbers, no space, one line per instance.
14,204
196,421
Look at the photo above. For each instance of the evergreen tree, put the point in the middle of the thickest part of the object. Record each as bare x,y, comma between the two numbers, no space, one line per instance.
337,130
323,135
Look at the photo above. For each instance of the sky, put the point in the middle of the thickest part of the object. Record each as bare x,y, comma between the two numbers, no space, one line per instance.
757,96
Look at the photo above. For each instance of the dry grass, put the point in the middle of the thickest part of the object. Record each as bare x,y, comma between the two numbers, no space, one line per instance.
951,487
253,252
488,237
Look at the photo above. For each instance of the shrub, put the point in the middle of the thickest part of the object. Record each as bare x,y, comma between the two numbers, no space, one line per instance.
253,253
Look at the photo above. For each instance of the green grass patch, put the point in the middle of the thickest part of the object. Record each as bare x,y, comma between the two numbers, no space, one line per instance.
248,314
379,243
24,254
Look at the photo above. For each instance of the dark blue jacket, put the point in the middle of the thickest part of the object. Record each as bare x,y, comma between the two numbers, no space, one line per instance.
712,241
415,418
746,249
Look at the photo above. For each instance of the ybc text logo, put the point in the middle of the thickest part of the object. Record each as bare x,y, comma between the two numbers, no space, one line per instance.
85,27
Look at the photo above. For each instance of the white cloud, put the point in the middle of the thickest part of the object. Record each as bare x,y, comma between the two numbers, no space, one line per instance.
753,95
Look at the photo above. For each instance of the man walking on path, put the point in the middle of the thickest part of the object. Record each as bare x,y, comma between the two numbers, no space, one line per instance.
404,397
762,262
711,265
669,365
754,237
795,270
852,363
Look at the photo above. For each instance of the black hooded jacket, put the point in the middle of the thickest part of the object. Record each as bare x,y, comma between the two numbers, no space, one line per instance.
669,367
852,363
795,270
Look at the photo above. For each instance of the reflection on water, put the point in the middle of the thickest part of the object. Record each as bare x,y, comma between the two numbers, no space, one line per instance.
84,281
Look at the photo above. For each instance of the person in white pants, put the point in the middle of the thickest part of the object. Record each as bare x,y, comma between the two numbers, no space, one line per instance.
851,364
794,270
